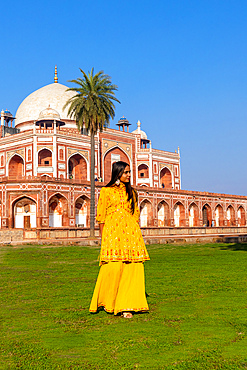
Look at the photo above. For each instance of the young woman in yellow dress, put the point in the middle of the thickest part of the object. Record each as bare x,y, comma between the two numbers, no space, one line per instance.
120,287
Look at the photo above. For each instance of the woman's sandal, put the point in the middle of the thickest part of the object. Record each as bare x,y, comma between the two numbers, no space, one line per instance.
127,315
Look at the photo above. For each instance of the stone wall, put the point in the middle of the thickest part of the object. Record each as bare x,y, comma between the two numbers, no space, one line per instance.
7,236
151,235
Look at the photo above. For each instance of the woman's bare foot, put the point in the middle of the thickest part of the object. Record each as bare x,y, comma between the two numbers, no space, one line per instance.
127,315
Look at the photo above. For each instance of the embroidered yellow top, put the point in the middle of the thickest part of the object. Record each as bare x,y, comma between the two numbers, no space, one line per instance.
122,239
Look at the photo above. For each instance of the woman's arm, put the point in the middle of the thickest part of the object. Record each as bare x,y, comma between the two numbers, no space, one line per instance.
136,211
101,210
101,226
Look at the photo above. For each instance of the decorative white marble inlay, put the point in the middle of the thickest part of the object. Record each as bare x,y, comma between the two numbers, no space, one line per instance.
61,166
29,166
143,181
45,139
2,171
47,169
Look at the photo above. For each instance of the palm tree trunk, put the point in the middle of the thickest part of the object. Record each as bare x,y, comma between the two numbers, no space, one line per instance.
92,180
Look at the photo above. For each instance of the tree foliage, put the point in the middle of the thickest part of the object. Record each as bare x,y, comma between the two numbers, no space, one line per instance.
92,105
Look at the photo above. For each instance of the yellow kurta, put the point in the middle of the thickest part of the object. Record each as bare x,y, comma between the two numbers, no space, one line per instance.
122,239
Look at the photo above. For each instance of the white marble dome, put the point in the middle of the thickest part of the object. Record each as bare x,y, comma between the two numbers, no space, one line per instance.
53,95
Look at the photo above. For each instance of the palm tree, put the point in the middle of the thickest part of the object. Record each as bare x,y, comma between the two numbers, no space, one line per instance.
92,107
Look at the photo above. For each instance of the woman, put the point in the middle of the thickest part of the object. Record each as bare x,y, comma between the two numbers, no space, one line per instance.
120,286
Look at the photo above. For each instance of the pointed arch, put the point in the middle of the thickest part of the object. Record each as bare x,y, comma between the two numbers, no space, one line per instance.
58,194
82,211
219,215
241,219
230,216
58,210
146,214
206,215
163,211
15,166
166,178
24,212
179,214
45,157
193,215
78,167
112,155
143,171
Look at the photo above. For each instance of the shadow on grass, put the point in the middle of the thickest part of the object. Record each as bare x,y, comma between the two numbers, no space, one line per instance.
235,247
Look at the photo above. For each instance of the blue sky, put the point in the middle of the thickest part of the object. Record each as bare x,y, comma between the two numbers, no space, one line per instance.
180,67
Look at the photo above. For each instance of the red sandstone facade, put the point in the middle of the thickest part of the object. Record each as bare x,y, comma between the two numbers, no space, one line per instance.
45,173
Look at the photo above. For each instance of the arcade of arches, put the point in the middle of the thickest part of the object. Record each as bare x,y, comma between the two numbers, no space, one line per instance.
24,213
179,216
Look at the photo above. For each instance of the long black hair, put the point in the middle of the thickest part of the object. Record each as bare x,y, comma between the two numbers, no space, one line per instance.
117,171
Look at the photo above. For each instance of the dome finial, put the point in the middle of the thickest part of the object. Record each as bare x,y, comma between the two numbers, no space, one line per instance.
138,126
55,77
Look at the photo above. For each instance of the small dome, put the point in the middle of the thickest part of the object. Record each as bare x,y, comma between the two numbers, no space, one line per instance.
49,114
138,131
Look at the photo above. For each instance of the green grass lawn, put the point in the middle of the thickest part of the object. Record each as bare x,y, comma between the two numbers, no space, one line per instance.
197,320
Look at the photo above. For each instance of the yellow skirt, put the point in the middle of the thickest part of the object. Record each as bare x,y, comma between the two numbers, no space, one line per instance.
120,287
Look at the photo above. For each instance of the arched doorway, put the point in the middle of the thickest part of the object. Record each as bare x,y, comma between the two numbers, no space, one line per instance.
206,215
58,211
143,171
16,166
163,214
230,216
193,215
77,167
82,211
24,213
114,155
219,216
179,215
241,216
45,158
146,216
166,178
